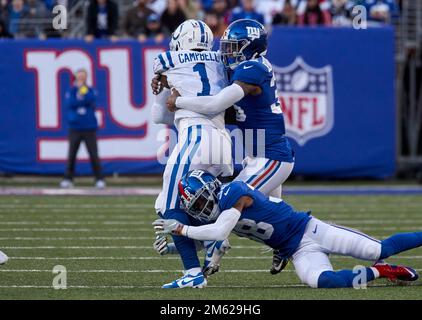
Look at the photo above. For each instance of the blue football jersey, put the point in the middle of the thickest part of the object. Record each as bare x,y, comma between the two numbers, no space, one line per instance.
262,111
269,220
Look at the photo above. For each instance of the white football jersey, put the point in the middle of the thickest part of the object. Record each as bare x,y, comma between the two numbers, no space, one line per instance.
193,73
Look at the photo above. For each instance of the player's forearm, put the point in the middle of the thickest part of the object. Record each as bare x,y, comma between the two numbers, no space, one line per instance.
219,230
212,104
159,112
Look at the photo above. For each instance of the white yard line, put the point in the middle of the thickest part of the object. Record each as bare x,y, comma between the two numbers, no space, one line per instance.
76,206
266,286
11,240
71,217
354,223
76,230
73,238
146,287
102,247
131,271
74,223
175,257
140,271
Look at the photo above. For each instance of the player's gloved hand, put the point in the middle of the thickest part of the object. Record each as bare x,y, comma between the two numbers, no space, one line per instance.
160,245
171,100
167,226
156,85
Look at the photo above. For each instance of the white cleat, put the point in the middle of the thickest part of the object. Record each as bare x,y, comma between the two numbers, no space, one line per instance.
66,184
188,281
100,184
3,258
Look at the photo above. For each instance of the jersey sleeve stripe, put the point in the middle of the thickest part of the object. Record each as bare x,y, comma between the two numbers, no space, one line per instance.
160,57
168,54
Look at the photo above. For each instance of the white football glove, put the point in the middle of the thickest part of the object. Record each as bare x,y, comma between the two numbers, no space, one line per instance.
160,245
167,226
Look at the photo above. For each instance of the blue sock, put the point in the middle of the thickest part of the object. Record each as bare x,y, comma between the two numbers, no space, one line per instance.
342,278
185,246
400,242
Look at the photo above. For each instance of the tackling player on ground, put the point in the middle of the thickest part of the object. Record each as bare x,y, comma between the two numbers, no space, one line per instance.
239,208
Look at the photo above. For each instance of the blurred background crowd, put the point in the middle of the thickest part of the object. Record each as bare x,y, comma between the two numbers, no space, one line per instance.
156,19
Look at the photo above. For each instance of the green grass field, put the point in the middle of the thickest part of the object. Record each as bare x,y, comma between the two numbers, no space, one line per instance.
105,243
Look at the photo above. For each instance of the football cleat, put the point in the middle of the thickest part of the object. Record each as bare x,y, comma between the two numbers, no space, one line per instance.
3,258
187,281
100,184
394,273
66,184
278,263
213,254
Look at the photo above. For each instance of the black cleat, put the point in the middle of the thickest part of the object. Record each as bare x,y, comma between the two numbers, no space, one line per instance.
278,263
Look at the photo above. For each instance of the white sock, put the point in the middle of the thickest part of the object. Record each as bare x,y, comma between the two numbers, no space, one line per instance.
193,271
376,273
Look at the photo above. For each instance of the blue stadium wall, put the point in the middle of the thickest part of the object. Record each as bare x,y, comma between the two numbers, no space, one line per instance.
336,88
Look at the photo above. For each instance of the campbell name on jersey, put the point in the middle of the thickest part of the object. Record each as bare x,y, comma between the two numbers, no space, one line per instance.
268,220
262,113
194,73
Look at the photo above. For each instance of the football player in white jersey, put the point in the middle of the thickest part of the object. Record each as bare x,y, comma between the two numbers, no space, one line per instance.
253,92
203,142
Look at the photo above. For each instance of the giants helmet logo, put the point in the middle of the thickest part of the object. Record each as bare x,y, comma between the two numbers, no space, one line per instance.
306,97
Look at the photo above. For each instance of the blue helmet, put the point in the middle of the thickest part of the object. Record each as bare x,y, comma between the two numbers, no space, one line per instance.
198,191
243,40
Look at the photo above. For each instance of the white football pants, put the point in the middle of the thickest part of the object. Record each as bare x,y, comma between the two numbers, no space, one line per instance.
321,239
265,175
198,147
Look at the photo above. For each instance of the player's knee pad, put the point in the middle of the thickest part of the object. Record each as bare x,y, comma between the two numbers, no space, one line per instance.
331,279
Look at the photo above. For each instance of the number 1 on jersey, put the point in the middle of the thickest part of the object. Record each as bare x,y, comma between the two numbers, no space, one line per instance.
200,68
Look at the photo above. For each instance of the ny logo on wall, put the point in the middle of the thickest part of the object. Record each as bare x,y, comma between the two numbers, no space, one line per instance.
121,110
306,97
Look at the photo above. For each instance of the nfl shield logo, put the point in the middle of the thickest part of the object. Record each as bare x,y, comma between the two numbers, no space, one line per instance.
306,97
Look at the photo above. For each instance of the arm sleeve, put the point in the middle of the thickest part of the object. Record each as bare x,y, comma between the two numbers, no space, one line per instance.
159,112
212,104
219,230
164,61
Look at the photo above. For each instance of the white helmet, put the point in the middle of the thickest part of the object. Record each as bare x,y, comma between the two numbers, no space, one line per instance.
190,35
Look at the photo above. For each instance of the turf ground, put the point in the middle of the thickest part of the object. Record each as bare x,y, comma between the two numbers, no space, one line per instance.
105,243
